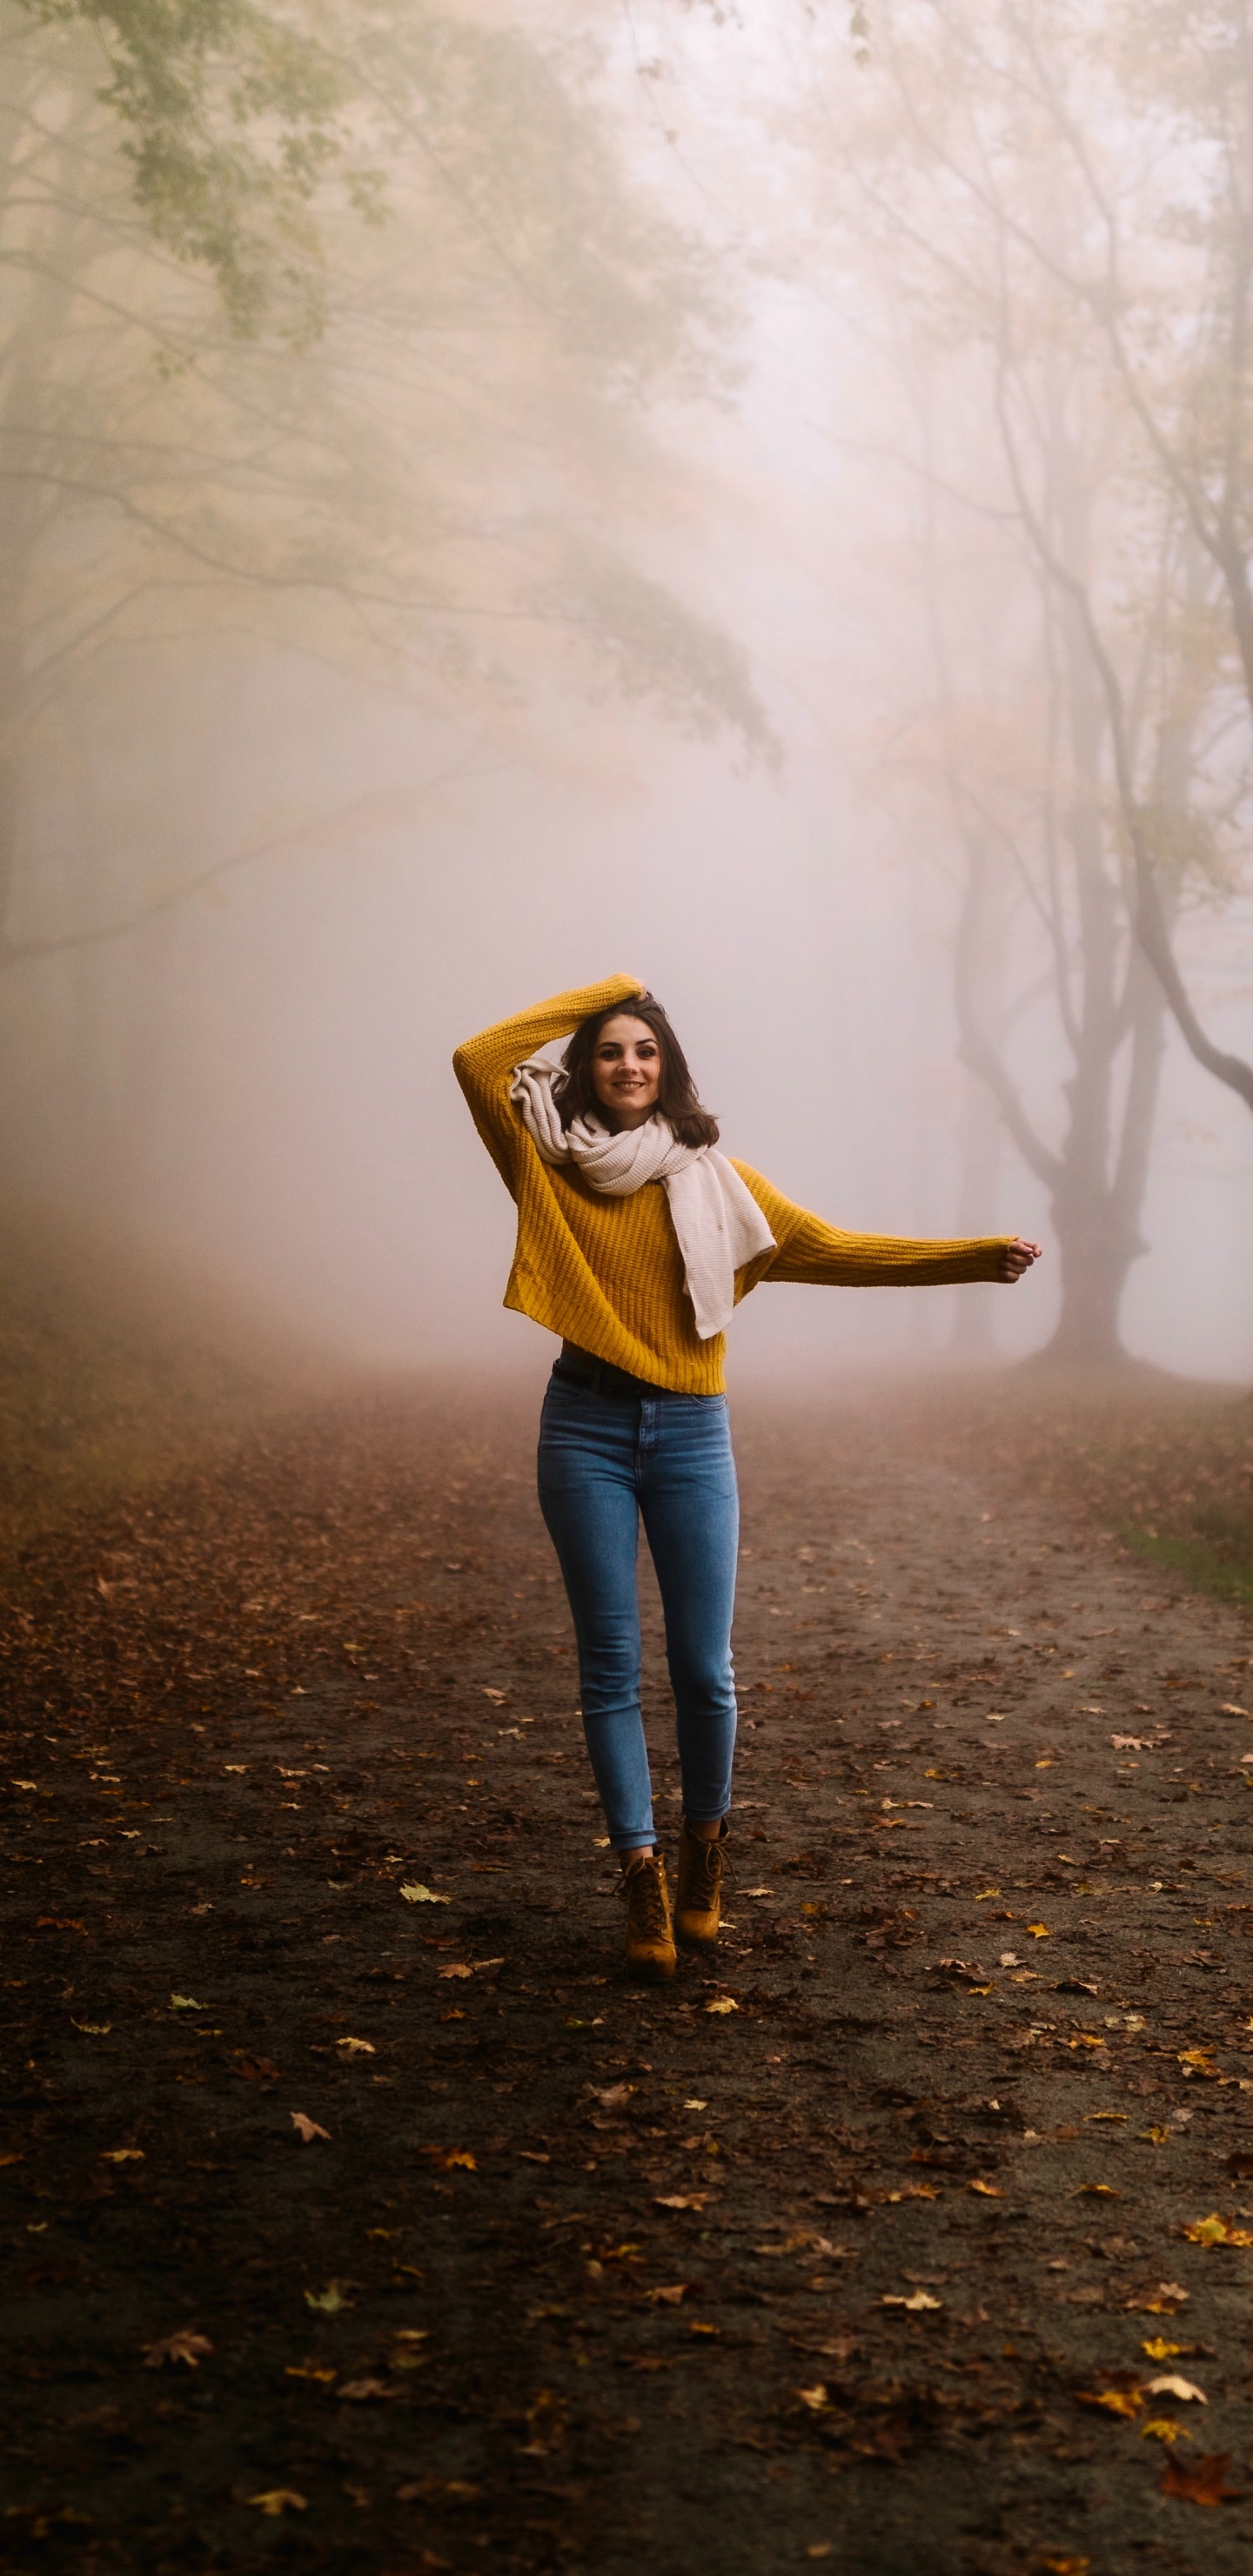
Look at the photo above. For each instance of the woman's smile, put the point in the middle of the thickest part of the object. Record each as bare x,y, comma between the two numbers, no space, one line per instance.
626,1070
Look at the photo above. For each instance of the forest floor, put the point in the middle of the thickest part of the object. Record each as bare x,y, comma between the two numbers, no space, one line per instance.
360,2214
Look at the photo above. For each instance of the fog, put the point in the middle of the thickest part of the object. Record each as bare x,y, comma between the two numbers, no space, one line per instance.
756,651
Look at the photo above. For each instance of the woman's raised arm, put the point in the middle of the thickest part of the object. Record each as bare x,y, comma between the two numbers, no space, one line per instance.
483,1064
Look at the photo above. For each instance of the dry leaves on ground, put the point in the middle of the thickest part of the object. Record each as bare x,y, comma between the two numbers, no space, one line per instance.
1204,2483
186,2346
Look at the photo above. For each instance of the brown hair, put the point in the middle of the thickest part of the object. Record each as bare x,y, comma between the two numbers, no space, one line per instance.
676,1098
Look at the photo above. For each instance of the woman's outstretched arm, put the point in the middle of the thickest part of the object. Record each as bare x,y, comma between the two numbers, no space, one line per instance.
823,1256
484,1064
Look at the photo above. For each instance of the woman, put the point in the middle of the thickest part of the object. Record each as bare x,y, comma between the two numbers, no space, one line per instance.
636,1240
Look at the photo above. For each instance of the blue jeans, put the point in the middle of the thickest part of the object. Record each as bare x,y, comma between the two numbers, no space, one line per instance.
605,1460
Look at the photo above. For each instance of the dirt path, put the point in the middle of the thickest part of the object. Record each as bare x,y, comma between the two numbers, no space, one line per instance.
856,2251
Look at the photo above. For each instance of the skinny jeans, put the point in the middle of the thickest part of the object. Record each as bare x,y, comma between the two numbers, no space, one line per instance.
606,1461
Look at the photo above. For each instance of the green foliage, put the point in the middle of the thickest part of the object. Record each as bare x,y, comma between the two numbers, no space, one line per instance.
650,646
233,120
1201,1563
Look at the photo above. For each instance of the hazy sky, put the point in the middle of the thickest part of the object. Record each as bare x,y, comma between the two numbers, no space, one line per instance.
267,1071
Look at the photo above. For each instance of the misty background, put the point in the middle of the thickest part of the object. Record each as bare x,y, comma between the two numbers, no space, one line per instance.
656,498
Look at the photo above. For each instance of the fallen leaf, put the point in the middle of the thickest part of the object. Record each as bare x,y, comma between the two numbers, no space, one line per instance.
1230,1709
186,2346
456,1972
497,1695
985,1893
1170,2296
680,2199
94,2029
986,2190
1195,2056
613,2095
58,1923
758,1891
1040,1931
449,2158
727,2004
187,2003
321,2371
357,2047
327,2302
1116,2401
671,2296
274,2500
122,2156
357,2389
417,1894
1096,2191
254,2070
1158,2349
1204,2484
919,2300
814,2398
308,2128
1173,2386
1215,2231
1163,2428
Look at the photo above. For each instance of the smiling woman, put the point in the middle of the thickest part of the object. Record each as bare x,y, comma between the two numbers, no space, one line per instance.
636,1241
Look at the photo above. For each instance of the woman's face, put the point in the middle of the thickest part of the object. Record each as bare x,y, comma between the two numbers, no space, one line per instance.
626,1070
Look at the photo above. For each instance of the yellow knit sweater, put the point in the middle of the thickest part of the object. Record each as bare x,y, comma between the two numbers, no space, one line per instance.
607,1273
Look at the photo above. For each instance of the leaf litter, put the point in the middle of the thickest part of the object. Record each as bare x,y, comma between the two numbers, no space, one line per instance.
822,2089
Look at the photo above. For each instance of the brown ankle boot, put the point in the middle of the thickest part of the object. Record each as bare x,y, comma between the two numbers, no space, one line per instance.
650,1946
702,1867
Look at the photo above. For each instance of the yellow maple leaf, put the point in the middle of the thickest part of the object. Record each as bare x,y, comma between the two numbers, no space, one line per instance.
1163,2428
1158,2349
1041,1931
1116,2401
727,2004
1207,2231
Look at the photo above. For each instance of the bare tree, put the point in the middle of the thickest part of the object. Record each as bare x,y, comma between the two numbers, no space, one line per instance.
1093,176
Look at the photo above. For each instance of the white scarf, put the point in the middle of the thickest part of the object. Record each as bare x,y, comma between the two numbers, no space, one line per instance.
715,1216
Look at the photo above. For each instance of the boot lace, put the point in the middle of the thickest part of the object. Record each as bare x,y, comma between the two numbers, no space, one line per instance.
707,1871
645,1899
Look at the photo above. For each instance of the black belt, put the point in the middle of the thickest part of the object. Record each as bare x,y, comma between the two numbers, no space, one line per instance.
603,1378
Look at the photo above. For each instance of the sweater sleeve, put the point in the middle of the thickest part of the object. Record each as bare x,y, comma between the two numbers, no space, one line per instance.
820,1255
483,1066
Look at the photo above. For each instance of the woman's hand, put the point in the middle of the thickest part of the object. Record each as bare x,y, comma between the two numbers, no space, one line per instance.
1018,1256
